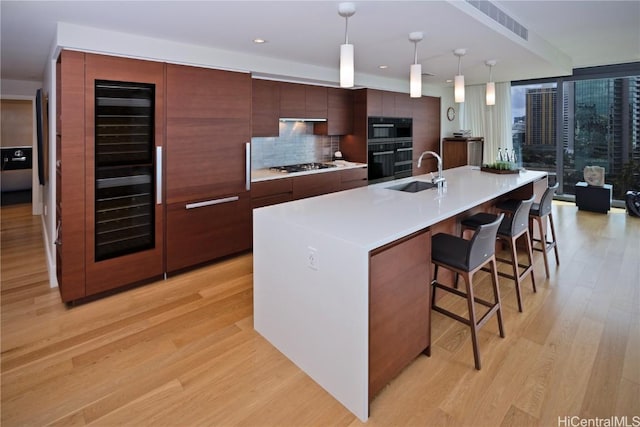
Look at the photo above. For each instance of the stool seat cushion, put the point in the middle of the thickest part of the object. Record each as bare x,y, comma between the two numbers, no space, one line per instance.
535,209
450,250
509,205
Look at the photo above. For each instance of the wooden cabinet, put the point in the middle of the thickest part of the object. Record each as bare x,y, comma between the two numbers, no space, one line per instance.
280,190
382,103
315,184
208,127
353,178
399,307
105,195
265,107
271,192
339,113
462,151
298,100
426,132
70,176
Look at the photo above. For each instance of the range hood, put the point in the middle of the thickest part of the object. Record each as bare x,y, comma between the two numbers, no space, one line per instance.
301,119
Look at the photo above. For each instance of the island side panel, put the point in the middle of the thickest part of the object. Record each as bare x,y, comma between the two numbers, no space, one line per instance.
318,318
399,307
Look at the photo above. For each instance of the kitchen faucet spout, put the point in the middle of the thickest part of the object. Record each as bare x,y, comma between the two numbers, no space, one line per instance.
440,178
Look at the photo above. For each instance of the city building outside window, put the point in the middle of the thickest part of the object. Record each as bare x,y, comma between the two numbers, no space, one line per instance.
561,126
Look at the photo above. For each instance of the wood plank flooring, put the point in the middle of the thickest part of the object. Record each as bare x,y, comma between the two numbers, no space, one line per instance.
183,352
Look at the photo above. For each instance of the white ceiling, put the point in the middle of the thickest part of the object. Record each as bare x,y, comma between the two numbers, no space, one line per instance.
562,34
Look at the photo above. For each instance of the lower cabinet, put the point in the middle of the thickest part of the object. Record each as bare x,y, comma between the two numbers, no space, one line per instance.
202,231
271,192
280,190
353,178
315,184
399,307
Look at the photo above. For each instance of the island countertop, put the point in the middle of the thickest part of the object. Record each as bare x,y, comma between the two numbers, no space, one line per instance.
372,216
315,259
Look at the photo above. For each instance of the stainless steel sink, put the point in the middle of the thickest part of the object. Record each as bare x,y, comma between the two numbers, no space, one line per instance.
413,186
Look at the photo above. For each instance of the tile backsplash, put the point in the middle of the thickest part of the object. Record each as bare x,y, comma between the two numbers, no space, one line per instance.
296,144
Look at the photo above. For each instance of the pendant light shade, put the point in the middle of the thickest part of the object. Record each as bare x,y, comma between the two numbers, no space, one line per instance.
415,72
458,85
491,86
346,65
346,50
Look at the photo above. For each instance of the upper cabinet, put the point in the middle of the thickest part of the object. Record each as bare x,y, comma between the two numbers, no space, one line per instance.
382,103
265,107
339,113
306,101
272,100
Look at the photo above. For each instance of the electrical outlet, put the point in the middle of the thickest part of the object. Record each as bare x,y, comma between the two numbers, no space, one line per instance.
312,258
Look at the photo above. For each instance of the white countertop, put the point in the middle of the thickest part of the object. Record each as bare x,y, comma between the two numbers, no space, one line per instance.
267,174
373,216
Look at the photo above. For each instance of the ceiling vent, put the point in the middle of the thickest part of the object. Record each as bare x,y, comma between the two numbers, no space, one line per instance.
501,17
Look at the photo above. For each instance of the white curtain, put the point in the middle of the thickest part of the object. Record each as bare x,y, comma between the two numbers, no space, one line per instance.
493,122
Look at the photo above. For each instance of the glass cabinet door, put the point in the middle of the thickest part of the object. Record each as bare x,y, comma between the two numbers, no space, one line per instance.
124,172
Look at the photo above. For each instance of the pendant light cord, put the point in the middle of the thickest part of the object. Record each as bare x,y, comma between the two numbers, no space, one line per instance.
346,30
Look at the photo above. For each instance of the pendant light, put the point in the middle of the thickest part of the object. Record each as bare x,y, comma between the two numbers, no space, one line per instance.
458,85
415,72
491,86
346,50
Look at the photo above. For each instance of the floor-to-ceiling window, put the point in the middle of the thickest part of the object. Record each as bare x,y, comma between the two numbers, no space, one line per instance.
589,119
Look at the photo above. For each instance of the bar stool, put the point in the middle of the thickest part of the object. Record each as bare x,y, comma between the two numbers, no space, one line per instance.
538,213
466,257
511,229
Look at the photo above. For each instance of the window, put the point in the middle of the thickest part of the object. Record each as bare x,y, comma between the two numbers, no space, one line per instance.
589,119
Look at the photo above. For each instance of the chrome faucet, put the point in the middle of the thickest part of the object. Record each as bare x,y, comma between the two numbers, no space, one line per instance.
440,178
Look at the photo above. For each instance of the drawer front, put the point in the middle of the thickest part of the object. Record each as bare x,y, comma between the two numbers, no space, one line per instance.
271,187
315,184
357,174
204,232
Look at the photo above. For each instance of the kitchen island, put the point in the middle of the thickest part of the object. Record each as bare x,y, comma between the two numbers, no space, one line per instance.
339,277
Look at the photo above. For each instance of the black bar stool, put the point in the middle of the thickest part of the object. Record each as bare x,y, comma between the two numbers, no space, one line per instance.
466,257
538,213
510,230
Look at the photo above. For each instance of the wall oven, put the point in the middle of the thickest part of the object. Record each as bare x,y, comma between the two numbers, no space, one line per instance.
390,148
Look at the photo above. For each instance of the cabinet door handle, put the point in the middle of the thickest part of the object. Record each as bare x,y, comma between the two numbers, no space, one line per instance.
405,149
383,153
211,202
158,175
247,160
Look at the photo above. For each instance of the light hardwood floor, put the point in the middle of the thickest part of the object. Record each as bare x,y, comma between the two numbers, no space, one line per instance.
183,352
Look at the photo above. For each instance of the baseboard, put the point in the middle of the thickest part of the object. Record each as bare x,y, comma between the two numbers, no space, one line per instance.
51,264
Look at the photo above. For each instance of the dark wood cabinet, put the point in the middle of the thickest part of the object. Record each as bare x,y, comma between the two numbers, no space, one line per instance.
306,101
315,184
265,107
353,178
399,307
271,192
207,168
426,132
462,151
403,104
110,218
339,113
70,176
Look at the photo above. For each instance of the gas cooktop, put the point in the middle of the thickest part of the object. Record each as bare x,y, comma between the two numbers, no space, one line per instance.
301,167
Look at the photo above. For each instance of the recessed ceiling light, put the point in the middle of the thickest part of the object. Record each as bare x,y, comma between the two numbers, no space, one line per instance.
259,41
448,81
383,67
